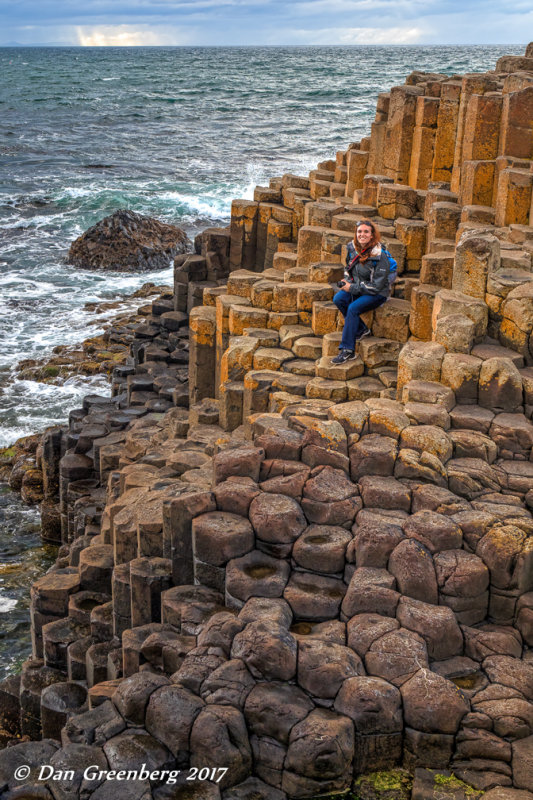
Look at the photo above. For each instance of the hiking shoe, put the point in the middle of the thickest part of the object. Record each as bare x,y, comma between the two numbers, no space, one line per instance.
344,355
366,332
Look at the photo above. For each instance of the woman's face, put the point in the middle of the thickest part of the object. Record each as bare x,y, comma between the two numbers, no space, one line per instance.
364,234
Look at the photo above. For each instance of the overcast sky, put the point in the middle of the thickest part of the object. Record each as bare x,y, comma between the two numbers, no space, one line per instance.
269,22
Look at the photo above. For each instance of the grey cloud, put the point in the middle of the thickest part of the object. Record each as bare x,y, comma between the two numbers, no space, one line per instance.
274,21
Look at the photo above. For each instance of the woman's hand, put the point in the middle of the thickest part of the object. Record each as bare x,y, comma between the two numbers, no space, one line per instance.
345,286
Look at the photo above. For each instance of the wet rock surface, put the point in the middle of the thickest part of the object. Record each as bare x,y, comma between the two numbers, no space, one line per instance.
127,241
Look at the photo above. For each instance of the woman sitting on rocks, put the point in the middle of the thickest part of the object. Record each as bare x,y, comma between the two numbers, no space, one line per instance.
370,271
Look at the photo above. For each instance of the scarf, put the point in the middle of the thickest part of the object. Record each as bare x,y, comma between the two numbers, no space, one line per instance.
368,252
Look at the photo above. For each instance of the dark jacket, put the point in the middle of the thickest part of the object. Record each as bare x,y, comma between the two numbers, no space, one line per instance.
373,277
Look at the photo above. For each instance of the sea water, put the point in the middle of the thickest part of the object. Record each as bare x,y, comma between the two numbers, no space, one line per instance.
173,133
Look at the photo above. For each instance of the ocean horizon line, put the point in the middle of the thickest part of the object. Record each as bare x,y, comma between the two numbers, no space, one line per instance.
18,45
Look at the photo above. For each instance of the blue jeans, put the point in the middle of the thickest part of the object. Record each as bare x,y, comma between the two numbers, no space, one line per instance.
350,309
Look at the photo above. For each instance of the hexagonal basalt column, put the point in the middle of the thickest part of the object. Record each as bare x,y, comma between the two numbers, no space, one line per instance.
148,578
217,538
255,575
59,701
186,608
96,567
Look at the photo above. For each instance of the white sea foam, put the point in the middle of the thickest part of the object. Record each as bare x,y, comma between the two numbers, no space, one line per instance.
9,435
215,202
32,222
41,314
73,192
7,604
19,283
199,205
29,406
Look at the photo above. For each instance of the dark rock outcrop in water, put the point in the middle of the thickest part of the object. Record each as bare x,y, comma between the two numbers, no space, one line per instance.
127,241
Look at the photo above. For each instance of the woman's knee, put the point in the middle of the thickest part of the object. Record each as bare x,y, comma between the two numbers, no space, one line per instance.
339,300
353,310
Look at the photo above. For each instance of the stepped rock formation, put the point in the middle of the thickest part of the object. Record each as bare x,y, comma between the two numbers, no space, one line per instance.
277,574
128,242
